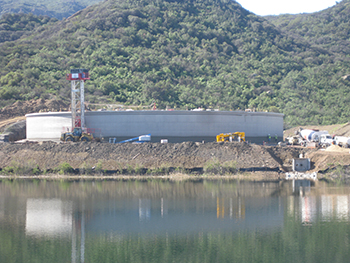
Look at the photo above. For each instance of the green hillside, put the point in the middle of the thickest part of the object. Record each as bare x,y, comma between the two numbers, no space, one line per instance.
15,26
52,8
183,54
328,29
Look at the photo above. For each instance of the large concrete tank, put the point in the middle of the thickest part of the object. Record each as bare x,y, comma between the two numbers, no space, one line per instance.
176,126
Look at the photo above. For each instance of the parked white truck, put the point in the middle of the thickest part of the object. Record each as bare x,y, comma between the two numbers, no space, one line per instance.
326,140
342,141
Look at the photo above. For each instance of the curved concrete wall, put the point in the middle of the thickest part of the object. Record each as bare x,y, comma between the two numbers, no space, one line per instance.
172,125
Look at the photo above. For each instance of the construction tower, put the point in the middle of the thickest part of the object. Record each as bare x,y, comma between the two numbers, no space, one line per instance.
77,78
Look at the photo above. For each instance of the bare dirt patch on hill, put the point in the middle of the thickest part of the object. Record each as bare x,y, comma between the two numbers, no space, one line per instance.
21,108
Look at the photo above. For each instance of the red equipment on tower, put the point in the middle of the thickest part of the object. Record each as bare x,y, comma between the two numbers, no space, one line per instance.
78,74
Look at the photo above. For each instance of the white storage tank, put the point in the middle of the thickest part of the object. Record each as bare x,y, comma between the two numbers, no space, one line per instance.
176,126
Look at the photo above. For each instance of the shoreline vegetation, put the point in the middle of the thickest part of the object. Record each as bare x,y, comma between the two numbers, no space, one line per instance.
169,177
64,171
210,171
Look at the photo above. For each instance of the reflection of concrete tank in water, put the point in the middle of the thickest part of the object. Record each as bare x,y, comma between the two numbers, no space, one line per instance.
311,135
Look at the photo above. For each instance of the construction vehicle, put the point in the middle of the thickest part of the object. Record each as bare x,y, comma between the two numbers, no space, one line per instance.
342,141
76,135
311,135
293,140
326,140
233,136
314,138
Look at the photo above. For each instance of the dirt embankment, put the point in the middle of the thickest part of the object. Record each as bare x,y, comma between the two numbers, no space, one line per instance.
12,117
262,162
149,155
21,108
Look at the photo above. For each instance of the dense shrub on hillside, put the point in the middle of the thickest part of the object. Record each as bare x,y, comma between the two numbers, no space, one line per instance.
59,9
14,26
180,54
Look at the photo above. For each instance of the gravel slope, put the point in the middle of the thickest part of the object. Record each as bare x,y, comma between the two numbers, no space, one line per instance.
148,155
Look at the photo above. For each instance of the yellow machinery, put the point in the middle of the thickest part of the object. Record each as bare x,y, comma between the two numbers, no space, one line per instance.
76,135
234,136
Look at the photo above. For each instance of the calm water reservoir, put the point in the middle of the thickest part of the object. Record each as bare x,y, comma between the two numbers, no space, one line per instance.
165,221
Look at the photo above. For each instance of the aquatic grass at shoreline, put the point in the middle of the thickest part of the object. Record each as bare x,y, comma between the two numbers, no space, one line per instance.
171,177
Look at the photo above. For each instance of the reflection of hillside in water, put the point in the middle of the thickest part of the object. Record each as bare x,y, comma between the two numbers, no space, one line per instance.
228,215
142,189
